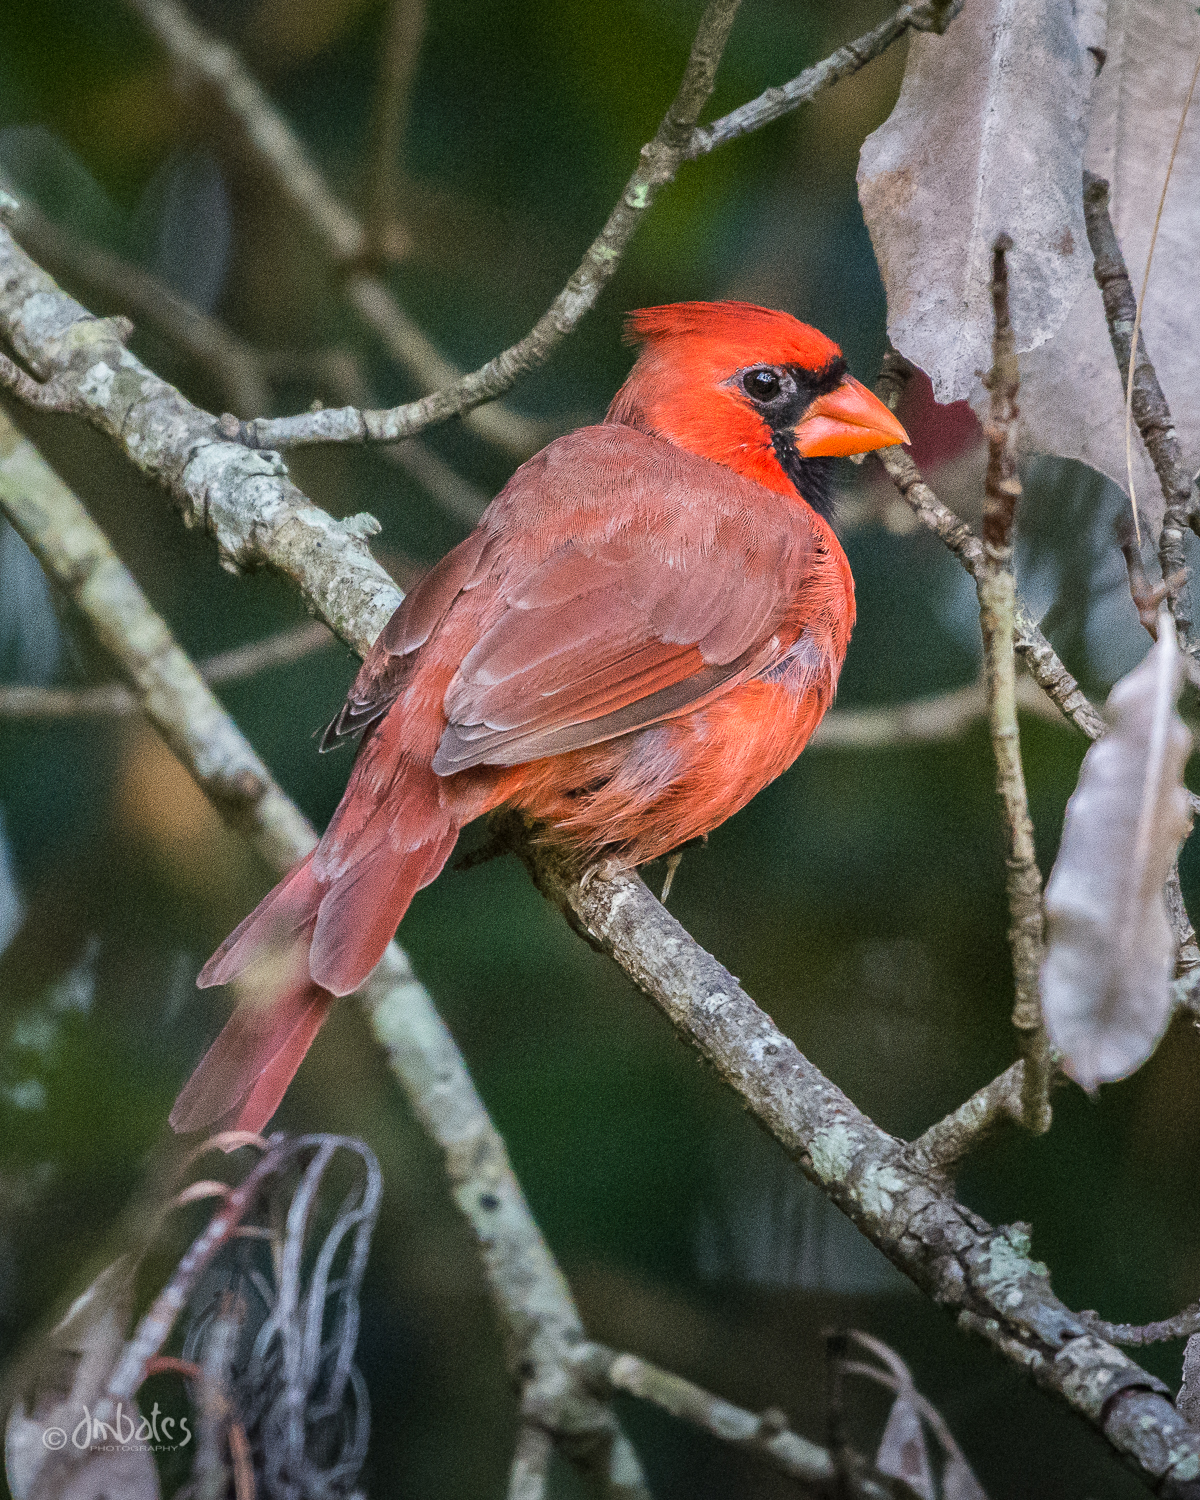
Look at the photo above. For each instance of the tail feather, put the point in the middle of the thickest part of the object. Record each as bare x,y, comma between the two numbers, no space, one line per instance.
254,1058
359,915
277,918
318,934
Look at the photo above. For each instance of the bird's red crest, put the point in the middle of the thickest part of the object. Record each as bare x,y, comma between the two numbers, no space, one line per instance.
736,333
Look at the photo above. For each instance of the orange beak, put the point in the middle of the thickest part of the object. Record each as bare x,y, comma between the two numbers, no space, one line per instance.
848,420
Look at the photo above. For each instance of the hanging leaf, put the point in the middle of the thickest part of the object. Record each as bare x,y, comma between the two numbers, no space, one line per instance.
1106,977
987,135
1072,394
958,1482
902,1452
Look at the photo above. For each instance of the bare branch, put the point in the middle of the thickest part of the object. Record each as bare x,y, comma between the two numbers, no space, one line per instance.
767,1434
982,1273
660,159
775,103
1181,1326
924,720
1150,410
278,152
403,30
232,363
997,595
678,140
244,499
115,699
1035,650
939,1150
530,1471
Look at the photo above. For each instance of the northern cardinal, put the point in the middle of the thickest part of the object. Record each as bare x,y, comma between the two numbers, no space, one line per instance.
643,630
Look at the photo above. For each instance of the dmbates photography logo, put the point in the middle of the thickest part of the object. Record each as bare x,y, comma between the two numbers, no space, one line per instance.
127,1431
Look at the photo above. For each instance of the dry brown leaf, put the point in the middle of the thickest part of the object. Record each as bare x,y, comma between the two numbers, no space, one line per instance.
987,135
1072,394
902,1452
1106,978
958,1482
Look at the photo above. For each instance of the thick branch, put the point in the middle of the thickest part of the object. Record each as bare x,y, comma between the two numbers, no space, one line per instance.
982,1274
231,362
244,499
997,595
1150,410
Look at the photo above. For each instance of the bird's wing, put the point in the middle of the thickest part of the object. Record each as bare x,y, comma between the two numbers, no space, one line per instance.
616,581
675,578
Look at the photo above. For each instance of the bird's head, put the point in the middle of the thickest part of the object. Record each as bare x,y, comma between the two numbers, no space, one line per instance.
753,389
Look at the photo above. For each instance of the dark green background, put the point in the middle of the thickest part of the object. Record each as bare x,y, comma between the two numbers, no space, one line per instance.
860,899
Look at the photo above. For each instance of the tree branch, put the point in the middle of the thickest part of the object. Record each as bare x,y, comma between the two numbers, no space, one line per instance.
1045,667
233,364
774,103
115,699
1150,410
277,151
997,595
243,499
403,29
766,1435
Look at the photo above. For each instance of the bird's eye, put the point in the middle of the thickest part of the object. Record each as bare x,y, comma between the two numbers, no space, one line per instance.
761,385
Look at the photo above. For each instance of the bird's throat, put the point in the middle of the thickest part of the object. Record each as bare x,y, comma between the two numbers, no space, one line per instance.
811,477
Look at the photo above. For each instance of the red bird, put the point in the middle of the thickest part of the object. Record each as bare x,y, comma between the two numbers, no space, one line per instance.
643,630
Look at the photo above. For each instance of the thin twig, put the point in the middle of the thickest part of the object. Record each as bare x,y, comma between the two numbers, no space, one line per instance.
1039,656
659,161
997,595
774,103
1149,405
1135,1335
965,1129
678,139
270,142
404,27
767,1435
1043,662
1135,337
115,699
925,721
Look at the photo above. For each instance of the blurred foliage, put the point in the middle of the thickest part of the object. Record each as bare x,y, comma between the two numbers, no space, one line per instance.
860,898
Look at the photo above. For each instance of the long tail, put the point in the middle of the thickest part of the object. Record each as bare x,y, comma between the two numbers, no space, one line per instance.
318,934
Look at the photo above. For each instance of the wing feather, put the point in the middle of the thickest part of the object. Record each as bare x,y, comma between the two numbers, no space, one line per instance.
617,580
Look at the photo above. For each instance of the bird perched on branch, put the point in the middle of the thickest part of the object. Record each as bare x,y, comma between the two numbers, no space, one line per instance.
643,630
